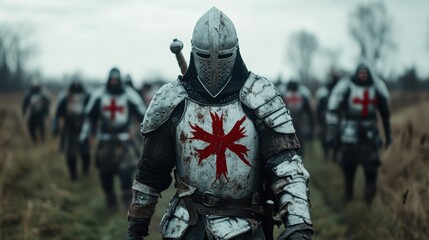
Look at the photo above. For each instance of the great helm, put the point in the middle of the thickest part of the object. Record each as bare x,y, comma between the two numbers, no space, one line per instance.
214,47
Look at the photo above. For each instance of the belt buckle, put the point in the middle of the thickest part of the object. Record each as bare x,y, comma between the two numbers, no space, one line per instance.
209,199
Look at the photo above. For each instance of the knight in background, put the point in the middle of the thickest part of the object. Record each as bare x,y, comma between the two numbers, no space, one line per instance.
35,109
352,119
110,110
68,121
297,98
229,136
322,97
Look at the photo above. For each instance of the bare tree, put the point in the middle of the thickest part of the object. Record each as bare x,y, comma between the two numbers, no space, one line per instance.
16,49
301,52
332,56
371,27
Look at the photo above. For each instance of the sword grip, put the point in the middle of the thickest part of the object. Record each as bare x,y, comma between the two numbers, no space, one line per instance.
181,61
176,47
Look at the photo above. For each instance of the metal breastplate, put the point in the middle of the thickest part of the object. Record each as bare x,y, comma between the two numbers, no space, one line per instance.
362,102
114,111
76,104
36,102
218,150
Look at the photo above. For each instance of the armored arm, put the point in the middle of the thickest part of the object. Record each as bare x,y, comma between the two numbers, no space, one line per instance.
26,102
157,159
383,106
278,146
141,210
290,185
336,104
60,112
137,107
321,96
310,116
153,177
92,113
46,101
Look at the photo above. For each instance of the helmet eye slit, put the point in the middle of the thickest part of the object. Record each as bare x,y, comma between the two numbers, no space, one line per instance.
202,55
223,56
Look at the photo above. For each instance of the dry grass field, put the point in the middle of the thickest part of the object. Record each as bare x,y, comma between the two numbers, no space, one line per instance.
37,200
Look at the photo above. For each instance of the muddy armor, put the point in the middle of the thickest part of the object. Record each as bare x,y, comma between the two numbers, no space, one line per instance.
297,98
352,121
70,111
110,110
233,155
35,109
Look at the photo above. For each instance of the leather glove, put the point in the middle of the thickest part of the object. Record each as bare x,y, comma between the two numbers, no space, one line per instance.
301,235
137,228
297,232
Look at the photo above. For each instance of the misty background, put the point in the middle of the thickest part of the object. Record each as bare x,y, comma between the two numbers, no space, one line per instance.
55,41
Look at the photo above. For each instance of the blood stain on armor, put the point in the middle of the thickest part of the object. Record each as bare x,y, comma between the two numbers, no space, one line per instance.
182,137
219,142
201,117
188,159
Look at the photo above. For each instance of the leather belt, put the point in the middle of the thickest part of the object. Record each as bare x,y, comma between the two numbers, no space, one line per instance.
211,200
229,212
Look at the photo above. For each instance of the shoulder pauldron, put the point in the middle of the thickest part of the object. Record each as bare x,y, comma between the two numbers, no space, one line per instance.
162,105
260,95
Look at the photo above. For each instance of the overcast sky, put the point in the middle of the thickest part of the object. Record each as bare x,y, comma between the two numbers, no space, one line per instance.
91,36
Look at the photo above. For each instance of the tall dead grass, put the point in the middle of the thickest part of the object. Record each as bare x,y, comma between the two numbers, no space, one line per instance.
404,178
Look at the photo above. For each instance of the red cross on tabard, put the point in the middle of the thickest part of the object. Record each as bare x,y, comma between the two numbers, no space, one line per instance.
113,108
293,99
219,142
365,101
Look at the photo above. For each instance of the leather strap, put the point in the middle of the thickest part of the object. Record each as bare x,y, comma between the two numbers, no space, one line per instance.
229,212
189,205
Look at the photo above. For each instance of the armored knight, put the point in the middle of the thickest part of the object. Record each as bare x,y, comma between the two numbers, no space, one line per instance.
352,118
35,109
297,98
230,138
322,97
110,109
68,120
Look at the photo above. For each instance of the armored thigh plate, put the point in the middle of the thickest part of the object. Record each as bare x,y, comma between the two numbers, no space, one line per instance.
175,223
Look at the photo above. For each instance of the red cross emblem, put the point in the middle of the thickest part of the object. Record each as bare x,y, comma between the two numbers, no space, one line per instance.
113,108
293,101
219,142
365,102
